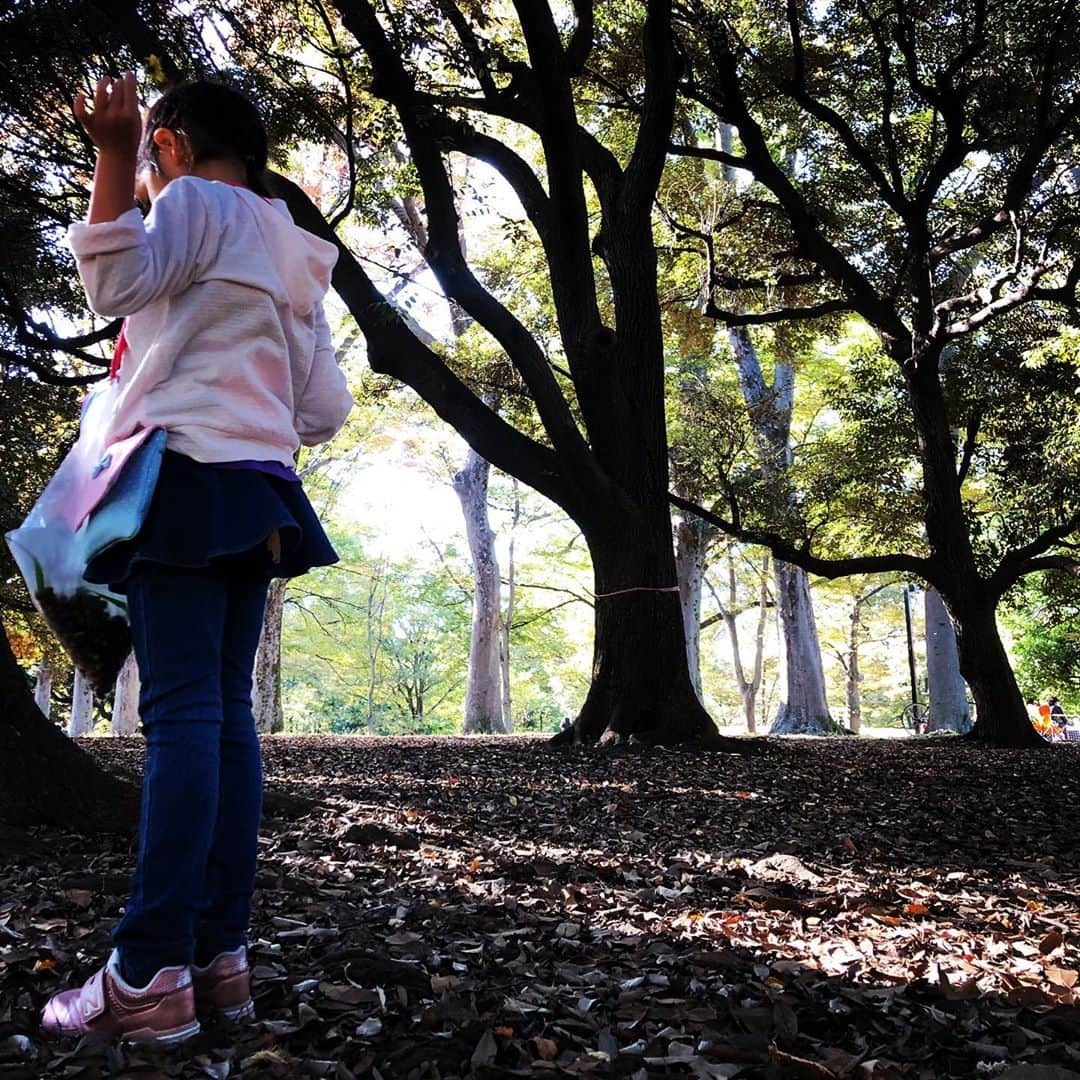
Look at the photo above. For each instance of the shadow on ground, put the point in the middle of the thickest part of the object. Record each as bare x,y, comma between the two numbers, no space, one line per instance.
489,907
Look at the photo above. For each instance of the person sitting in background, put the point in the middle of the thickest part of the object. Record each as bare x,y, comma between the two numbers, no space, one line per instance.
1058,720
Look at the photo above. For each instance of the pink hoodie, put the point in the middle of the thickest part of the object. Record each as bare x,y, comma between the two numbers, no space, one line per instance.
228,346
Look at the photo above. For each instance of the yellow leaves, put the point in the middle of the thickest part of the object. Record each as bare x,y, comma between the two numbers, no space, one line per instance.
156,71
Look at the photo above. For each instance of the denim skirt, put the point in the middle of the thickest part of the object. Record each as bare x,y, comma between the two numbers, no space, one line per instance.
244,521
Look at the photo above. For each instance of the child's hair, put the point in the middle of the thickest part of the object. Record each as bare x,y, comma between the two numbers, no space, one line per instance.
219,122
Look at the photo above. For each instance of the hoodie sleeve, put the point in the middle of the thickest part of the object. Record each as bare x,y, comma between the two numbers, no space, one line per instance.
128,263
325,401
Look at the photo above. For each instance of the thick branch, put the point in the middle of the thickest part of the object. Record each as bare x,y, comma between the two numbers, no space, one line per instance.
394,351
1025,559
581,41
785,550
654,129
708,154
971,437
444,252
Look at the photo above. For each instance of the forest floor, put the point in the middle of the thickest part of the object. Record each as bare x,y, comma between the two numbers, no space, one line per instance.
491,907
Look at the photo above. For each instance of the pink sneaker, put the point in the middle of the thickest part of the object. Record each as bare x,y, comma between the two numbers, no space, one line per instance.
223,987
161,1012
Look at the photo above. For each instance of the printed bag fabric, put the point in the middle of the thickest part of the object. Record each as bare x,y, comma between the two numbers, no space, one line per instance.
98,496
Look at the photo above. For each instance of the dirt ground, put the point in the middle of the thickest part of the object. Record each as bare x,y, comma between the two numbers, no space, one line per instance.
491,907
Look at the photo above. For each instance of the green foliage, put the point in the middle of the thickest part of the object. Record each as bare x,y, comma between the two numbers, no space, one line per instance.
1043,612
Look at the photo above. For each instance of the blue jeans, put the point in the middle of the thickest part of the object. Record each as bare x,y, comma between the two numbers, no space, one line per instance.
195,633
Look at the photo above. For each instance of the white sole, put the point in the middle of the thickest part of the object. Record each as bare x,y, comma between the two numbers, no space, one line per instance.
168,1038
238,1014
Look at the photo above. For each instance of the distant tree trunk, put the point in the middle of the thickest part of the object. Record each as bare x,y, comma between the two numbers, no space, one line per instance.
508,619
948,692
43,688
125,714
82,707
266,681
376,605
692,538
750,687
729,612
483,698
45,779
850,662
803,707
853,676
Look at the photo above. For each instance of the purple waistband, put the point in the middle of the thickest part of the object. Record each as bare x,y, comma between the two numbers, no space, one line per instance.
273,468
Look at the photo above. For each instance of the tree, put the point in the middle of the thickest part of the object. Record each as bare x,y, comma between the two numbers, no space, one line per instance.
948,693
603,457
483,697
266,683
44,777
728,612
932,196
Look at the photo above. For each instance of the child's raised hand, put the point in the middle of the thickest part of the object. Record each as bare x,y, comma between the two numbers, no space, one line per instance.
115,124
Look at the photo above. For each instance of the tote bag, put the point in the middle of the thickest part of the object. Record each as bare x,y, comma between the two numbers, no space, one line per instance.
98,497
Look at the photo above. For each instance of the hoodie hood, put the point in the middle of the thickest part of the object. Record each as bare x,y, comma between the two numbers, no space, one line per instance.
294,266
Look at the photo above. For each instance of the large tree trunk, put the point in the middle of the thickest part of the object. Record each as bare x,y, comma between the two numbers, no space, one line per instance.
43,685
483,696
948,692
125,714
1001,717
803,708
999,705
691,541
641,682
266,679
45,779
81,721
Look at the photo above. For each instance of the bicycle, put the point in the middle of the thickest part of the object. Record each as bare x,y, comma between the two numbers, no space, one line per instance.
915,716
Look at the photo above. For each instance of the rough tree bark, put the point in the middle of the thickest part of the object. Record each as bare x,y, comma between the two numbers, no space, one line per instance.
266,679
803,708
45,779
949,709
81,721
125,714
483,696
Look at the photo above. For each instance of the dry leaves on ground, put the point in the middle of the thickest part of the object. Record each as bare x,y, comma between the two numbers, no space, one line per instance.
491,907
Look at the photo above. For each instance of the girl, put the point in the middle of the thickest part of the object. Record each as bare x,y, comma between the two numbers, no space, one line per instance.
225,345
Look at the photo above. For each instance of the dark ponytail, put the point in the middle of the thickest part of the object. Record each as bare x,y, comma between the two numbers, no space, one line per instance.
218,121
